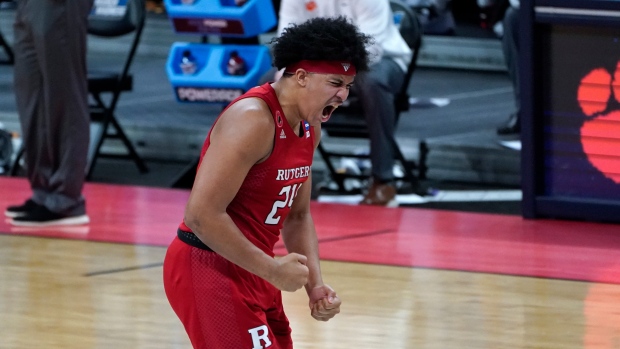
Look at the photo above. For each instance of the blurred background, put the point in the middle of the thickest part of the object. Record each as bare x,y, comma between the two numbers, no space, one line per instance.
460,95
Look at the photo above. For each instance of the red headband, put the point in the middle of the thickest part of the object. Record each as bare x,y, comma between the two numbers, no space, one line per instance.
322,67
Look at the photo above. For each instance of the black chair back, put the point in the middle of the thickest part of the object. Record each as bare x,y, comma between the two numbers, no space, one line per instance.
117,21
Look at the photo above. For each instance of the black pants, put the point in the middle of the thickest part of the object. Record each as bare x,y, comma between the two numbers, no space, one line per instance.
52,99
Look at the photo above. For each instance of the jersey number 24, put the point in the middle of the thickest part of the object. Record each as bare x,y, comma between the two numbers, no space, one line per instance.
289,192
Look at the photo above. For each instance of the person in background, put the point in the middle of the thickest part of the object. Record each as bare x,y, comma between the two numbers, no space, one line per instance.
51,91
253,184
510,46
376,89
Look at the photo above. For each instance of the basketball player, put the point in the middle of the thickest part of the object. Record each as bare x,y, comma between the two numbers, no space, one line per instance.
253,184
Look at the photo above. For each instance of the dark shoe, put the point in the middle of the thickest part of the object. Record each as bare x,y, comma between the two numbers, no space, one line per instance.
381,195
21,210
512,126
42,217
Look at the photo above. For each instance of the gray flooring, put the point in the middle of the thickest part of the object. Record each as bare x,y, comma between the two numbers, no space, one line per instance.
463,145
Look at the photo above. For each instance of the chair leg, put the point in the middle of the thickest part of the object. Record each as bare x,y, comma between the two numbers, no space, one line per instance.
409,176
422,168
332,171
132,154
130,148
15,164
7,49
96,151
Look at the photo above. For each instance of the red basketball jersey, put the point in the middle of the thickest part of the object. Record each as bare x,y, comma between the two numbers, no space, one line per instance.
267,193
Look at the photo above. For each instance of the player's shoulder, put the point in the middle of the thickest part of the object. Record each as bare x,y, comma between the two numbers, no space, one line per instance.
252,111
251,104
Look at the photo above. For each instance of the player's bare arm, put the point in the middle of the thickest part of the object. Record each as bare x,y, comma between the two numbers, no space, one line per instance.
299,235
239,140
298,232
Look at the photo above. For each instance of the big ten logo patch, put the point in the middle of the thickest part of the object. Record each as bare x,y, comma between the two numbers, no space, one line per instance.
598,96
260,337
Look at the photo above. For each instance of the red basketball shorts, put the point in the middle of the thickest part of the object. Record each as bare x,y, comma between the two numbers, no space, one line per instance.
221,305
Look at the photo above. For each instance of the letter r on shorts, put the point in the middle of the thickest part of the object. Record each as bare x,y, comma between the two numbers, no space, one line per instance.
260,334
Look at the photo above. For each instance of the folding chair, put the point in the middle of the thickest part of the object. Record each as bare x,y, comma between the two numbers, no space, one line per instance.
348,122
113,22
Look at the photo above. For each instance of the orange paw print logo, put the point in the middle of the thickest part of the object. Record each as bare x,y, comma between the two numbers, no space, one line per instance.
598,95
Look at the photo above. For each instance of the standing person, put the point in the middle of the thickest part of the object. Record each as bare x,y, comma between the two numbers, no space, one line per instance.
52,101
253,183
510,46
376,89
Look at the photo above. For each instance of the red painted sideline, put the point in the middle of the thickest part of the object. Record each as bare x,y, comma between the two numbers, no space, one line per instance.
404,237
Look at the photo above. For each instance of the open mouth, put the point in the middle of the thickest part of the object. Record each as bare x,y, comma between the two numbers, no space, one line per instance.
327,112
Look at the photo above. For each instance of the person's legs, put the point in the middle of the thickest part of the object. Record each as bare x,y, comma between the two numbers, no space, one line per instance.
66,105
510,46
57,142
279,324
28,96
376,90
28,90
220,304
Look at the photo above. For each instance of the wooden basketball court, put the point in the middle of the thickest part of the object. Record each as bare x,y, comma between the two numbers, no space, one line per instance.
409,278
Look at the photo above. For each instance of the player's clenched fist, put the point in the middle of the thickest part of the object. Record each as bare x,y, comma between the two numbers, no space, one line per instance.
324,303
290,272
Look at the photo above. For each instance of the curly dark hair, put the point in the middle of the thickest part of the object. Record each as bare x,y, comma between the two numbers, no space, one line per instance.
330,39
